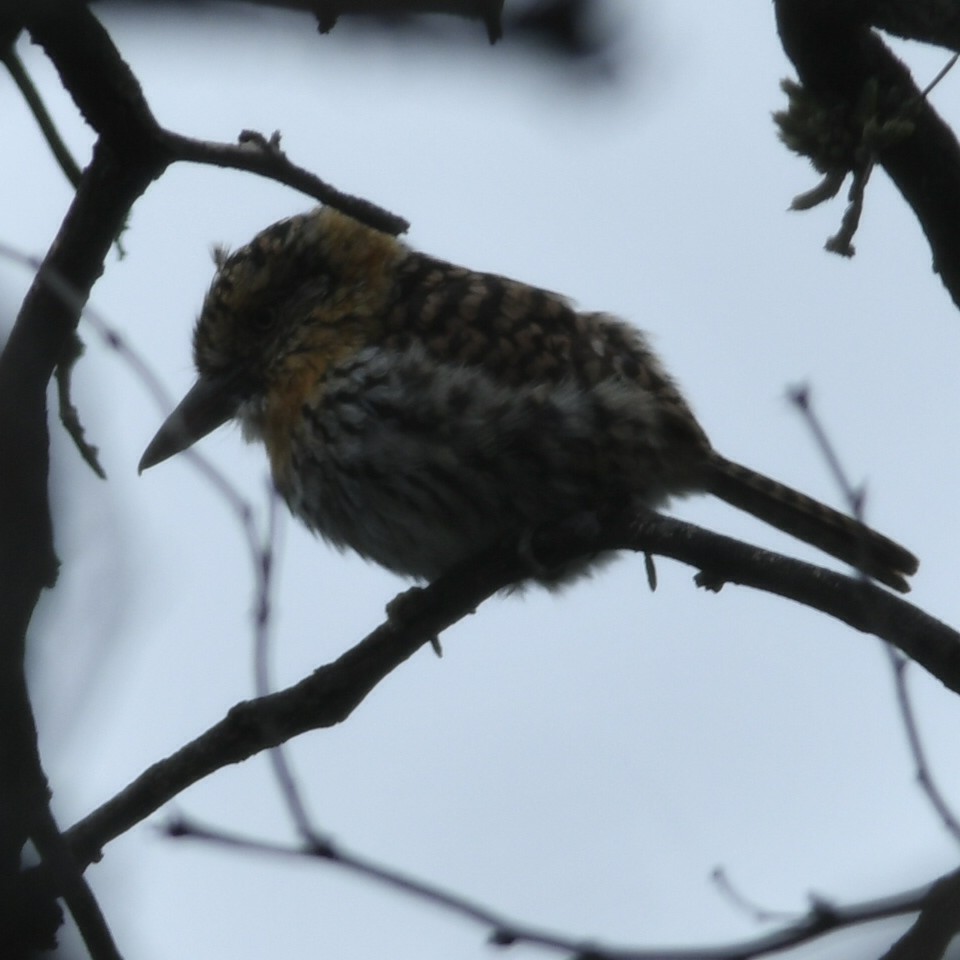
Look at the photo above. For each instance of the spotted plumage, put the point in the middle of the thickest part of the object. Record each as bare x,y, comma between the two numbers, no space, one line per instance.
416,411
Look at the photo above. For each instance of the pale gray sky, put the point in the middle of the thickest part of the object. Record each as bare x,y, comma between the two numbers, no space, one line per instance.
581,761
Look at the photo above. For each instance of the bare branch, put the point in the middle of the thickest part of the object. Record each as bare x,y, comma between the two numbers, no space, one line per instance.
840,61
937,925
930,21
328,12
820,920
257,154
755,911
331,693
800,397
83,904
69,415
925,777
31,95
855,500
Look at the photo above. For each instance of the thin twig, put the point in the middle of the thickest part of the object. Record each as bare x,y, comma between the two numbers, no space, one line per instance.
854,496
263,563
898,663
142,371
86,912
262,155
820,920
69,415
31,95
940,75
725,886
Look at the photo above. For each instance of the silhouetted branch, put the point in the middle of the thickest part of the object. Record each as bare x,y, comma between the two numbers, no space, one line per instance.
855,497
821,919
332,692
836,56
131,151
37,107
257,154
899,665
935,927
929,21
874,104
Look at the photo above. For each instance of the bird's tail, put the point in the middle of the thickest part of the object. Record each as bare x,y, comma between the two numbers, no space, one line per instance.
814,522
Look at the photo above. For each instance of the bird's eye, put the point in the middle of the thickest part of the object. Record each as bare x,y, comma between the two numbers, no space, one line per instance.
262,320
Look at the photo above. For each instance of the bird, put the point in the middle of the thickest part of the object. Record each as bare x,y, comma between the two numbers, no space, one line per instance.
419,412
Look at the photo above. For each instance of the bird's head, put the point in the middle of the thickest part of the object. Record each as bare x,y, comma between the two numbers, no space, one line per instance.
301,294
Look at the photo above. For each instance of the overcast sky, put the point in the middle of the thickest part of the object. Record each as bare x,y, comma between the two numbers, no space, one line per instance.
578,761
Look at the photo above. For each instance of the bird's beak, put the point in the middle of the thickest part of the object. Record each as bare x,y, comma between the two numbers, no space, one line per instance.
210,402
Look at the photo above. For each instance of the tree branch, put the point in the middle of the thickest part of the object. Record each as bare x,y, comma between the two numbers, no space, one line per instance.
821,919
935,927
331,693
43,328
929,21
256,154
838,58
31,95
